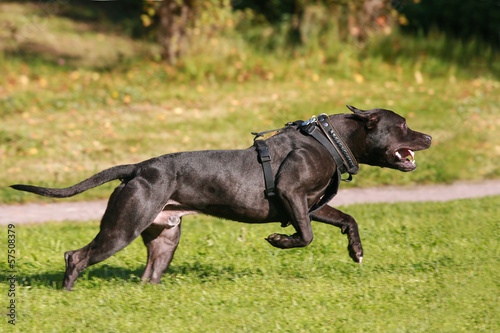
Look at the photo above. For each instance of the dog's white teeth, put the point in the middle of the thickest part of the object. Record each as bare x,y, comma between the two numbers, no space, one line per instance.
412,158
405,155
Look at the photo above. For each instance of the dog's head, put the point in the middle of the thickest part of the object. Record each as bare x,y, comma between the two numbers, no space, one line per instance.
389,141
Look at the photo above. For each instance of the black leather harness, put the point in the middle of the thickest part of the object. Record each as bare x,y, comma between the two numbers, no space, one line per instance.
324,132
265,160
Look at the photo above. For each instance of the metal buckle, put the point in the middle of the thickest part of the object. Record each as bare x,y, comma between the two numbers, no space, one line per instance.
348,179
265,158
270,192
310,121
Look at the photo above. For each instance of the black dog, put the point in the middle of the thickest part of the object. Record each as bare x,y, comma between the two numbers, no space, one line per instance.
155,194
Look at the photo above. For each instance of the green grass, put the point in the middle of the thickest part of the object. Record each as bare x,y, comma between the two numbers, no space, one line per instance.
112,104
428,267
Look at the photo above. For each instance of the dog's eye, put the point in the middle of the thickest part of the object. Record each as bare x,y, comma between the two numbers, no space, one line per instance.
404,127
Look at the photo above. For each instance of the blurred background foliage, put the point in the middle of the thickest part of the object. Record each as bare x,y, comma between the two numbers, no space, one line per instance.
466,19
462,29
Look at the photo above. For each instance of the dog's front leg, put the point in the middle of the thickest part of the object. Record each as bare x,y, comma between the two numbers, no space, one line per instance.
296,209
347,224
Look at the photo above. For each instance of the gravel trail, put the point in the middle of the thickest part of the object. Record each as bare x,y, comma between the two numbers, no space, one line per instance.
93,210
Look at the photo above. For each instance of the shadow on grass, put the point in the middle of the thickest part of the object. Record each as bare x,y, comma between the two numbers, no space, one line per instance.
54,278
198,271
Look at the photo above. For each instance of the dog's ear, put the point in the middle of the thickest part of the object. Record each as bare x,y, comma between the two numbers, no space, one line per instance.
370,117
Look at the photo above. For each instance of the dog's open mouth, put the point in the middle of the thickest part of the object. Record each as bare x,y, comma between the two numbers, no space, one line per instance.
405,158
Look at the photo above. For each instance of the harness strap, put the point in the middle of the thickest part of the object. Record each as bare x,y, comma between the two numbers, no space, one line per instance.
313,131
330,192
349,163
259,134
324,132
265,160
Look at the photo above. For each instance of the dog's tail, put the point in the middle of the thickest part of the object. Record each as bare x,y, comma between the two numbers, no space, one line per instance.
117,172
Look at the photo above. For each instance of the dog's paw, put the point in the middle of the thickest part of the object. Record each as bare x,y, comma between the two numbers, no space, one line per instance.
279,240
355,252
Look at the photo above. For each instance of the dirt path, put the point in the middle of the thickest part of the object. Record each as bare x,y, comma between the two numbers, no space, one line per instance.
93,210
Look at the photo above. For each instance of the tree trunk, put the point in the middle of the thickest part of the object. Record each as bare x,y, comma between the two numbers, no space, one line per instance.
175,16
369,17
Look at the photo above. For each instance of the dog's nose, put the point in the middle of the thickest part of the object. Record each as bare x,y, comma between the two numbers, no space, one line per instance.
428,138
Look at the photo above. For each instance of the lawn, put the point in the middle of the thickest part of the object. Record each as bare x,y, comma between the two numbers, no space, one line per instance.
428,267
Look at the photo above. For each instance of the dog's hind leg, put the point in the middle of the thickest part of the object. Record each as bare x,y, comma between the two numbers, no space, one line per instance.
161,242
347,224
131,209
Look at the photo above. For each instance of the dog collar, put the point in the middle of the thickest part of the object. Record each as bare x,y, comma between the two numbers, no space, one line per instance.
322,129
